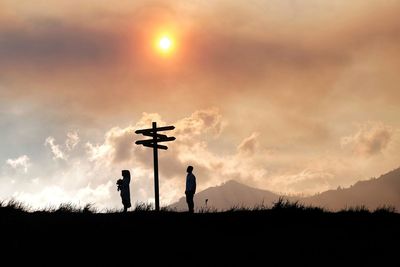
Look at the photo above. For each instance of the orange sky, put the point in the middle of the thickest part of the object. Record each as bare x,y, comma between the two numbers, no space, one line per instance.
290,96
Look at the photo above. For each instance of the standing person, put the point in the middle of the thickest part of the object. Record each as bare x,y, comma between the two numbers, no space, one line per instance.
123,186
190,188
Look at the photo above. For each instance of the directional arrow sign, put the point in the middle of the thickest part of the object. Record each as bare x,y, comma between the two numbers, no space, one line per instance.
151,130
142,142
166,139
157,146
153,143
150,141
152,135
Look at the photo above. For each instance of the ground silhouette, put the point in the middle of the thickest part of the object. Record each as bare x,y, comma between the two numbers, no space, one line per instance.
287,233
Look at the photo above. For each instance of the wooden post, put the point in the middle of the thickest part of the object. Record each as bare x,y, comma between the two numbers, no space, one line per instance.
155,156
153,143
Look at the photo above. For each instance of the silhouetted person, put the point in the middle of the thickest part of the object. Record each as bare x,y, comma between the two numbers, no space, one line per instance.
190,188
123,187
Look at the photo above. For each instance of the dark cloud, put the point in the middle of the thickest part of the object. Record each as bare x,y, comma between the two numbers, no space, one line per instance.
57,44
107,67
206,48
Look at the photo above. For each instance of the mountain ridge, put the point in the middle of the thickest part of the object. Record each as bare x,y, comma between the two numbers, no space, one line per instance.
372,194
224,196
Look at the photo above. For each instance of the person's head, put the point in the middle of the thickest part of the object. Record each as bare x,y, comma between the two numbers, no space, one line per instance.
126,174
189,169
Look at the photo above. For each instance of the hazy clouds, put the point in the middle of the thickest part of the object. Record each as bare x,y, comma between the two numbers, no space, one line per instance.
371,139
288,96
22,162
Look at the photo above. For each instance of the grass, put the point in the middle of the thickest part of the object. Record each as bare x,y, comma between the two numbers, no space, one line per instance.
385,209
13,206
285,231
282,205
285,205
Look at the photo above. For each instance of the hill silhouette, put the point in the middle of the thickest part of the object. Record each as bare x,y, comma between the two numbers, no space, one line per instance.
373,193
228,195
370,194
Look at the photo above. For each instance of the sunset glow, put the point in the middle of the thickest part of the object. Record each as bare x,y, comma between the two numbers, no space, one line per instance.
292,98
165,44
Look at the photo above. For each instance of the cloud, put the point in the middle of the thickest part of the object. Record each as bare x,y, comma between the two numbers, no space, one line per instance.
55,149
121,142
250,163
89,175
53,196
248,145
59,151
118,145
369,140
48,42
96,195
118,149
72,140
20,162
200,122
307,181
216,60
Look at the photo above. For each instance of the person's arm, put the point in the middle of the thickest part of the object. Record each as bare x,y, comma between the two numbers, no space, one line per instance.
187,185
194,184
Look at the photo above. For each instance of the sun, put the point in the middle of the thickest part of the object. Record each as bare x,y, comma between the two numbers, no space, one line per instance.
165,44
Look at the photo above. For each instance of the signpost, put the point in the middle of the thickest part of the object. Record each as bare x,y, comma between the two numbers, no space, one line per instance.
153,143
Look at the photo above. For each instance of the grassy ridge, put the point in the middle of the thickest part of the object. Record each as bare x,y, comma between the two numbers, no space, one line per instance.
13,206
287,232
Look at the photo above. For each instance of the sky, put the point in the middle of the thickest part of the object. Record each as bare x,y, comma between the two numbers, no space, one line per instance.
296,97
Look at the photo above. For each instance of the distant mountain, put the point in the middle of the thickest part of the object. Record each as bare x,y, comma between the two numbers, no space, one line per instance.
374,193
228,195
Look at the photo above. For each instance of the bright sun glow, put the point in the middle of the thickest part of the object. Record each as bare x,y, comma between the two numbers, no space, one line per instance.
165,44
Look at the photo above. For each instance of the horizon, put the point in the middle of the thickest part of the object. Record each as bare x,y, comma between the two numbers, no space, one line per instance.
289,97
150,205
